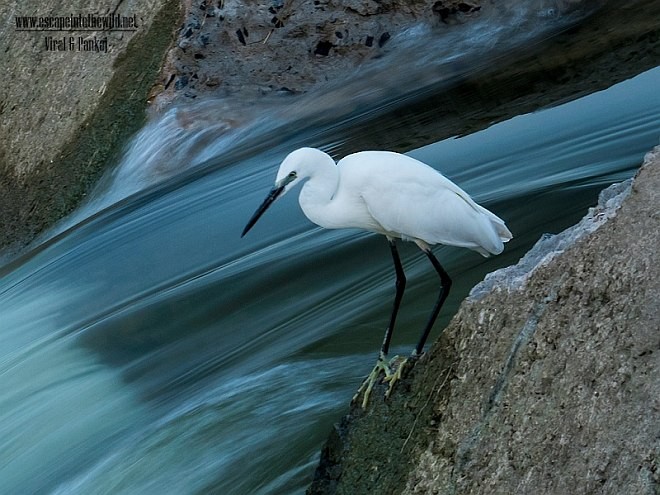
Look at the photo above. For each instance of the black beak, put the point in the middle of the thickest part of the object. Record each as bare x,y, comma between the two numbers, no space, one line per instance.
272,196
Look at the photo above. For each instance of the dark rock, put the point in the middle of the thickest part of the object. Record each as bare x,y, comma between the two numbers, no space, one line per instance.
384,38
169,81
464,7
285,91
241,38
181,82
328,473
369,41
441,11
446,9
323,48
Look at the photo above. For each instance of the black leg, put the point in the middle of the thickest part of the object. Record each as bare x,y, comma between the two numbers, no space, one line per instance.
445,283
400,287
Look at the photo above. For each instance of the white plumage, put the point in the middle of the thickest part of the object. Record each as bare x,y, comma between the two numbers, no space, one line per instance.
394,195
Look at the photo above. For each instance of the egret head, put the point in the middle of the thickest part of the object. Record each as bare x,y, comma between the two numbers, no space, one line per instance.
288,175
292,170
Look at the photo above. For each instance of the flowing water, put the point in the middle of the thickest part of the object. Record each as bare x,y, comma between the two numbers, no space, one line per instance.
146,348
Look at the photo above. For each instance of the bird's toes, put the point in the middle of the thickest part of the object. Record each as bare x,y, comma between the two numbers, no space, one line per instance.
396,376
382,366
401,368
397,366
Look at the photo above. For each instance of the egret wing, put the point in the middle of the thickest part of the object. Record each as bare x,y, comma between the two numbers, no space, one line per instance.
411,200
435,211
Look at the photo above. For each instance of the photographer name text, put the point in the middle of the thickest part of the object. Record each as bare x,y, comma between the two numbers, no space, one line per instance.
76,44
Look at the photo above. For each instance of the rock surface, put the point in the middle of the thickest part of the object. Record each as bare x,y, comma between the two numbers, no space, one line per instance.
66,114
546,381
252,48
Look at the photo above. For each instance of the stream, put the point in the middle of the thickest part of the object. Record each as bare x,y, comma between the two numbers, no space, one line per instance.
146,348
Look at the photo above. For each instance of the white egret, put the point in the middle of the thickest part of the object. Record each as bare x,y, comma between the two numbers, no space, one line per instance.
399,197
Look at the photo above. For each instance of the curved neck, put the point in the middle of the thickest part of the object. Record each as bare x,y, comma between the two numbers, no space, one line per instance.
317,193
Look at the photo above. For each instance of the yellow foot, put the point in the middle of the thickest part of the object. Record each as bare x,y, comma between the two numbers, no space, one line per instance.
368,384
401,370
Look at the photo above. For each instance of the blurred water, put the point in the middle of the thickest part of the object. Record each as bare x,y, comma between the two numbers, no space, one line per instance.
149,349
419,61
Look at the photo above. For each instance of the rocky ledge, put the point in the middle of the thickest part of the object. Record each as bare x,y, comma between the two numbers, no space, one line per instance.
546,381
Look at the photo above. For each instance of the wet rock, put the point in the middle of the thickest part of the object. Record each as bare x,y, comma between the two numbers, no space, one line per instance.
289,32
450,10
302,33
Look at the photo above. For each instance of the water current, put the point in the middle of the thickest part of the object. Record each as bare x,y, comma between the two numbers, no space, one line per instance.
146,348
